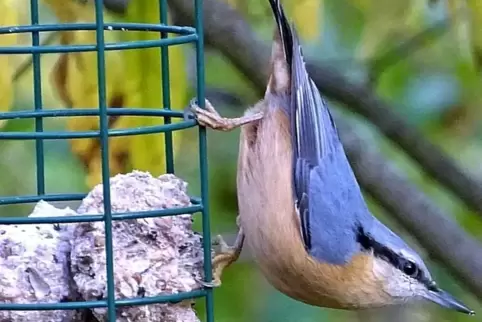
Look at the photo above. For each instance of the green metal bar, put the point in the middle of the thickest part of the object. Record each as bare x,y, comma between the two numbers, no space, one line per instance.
15,200
166,90
93,218
88,112
122,26
104,146
203,163
37,93
186,35
108,47
171,298
94,134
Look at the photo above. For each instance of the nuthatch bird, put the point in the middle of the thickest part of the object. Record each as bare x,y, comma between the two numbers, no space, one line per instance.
300,207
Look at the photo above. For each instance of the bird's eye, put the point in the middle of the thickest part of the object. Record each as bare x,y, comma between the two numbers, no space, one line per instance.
410,268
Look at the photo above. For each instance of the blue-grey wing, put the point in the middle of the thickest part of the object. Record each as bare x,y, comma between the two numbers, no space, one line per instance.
312,131
327,194
336,209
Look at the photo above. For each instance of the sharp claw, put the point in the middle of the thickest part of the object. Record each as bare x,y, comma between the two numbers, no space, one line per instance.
215,241
219,240
224,247
193,102
212,284
222,259
187,112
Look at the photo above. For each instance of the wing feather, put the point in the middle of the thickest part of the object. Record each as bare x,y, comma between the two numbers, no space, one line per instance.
324,185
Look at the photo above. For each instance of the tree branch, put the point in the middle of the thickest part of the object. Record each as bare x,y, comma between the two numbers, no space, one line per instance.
394,55
226,30
445,240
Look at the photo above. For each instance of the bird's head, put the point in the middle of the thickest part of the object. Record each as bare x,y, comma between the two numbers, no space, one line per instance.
402,273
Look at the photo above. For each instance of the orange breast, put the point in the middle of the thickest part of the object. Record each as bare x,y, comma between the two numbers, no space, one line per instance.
271,224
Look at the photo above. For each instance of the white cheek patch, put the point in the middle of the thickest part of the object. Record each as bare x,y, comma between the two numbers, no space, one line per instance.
396,284
380,269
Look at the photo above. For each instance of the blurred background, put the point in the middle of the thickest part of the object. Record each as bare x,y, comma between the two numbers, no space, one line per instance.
420,60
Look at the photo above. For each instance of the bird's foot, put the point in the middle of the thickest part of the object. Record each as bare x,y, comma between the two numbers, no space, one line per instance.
209,117
225,256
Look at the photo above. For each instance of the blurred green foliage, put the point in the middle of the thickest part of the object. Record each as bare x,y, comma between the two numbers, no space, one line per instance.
433,83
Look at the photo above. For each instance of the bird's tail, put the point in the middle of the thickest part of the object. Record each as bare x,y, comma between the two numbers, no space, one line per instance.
312,128
281,52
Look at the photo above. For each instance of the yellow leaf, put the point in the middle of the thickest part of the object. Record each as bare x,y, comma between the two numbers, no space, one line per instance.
307,16
133,79
143,73
475,11
461,29
75,81
8,17
384,20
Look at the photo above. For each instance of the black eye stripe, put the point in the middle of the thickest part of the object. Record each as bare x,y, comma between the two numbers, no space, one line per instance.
401,263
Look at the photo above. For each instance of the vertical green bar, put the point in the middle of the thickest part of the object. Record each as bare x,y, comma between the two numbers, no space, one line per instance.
203,161
166,91
37,93
104,146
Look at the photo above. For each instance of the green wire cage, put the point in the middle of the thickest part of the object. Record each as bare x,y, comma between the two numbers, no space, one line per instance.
184,35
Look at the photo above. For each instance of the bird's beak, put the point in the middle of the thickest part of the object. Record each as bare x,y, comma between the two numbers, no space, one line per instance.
446,300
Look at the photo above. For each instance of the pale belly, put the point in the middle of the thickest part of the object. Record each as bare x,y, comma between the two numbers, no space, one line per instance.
271,225
274,239
269,220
